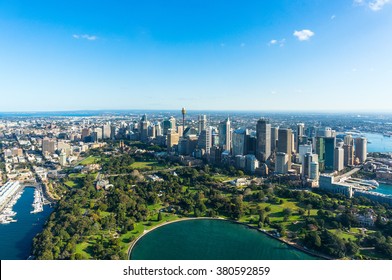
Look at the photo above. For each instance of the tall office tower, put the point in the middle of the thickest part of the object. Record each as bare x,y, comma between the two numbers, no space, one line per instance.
183,112
172,138
172,120
166,125
85,133
144,130
204,141
48,145
348,155
63,158
251,163
338,159
306,164
314,170
106,131
349,140
300,134
225,135
239,142
99,134
113,132
281,163
250,143
158,129
274,138
151,131
293,147
263,144
202,123
320,150
303,150
361,149
330,144
328,132
284,143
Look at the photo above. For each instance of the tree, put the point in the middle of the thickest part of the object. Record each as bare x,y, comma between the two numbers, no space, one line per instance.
160,216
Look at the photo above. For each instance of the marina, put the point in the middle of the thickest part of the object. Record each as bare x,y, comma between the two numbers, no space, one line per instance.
9,195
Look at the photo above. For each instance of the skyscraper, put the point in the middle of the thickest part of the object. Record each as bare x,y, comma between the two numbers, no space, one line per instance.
239,142
225,135
48,145
263,144
204,141
284,143
281,163
202,123
361,149
330,144
339,159
274,138
348,155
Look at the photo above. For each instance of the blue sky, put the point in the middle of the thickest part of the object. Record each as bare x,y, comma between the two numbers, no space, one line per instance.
314,55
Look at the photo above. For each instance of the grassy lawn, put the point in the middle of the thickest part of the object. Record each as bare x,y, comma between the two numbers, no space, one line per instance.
344,234
222,178
147,165
81,249
70,184
77,175
90,160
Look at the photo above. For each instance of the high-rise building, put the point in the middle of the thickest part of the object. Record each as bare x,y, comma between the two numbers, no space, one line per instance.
239,142
349,140
85,133
302,150
202,123
158,129
284,143
330,144
48,145
225,135
204,141
172,120
348,155
361,149
274,138
306,164
320,150
339,159
172,138
281,163
63,158
106,131
300,134
314,170
251,163
113,132
263,140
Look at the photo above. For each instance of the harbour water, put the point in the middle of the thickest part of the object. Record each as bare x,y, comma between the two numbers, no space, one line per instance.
378,142
206,239
384,189
16,238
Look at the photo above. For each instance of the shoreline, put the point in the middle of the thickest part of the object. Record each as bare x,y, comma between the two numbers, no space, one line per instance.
289,243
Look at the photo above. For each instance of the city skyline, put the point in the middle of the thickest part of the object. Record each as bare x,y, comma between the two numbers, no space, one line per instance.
269,56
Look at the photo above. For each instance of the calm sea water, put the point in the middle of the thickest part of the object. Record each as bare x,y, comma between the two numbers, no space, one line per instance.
16,238
212,240
384,189
378,143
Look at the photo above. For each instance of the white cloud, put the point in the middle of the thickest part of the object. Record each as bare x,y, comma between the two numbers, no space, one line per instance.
377,5
85,36
276,42
303,35
374,5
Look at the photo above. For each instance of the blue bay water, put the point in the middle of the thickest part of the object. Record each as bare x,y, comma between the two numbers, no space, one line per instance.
16,238
378,143
208,239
